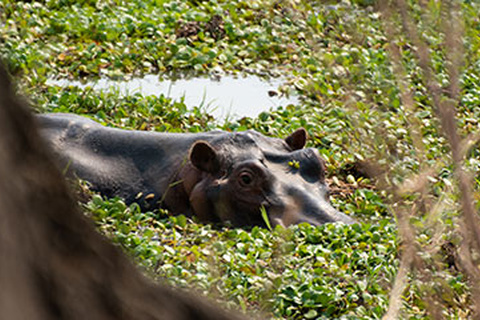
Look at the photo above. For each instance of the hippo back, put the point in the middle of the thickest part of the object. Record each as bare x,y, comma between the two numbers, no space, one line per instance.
134,165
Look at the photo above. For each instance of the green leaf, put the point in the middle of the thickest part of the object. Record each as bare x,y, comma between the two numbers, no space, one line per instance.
265,217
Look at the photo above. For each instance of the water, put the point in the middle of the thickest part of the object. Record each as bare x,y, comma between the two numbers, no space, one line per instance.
229,97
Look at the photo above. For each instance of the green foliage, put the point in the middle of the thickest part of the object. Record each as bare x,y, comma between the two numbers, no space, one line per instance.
131,112
332,270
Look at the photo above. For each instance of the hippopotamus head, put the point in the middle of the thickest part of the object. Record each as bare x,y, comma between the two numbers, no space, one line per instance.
239,174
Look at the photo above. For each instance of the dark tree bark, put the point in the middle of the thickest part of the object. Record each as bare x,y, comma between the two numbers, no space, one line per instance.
53,264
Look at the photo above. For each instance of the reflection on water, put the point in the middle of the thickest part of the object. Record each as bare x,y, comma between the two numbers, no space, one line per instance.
229,97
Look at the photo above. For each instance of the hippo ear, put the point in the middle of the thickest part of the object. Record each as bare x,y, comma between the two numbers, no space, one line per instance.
297,139
204,157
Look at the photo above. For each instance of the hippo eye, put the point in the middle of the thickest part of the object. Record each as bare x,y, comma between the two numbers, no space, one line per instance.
246,178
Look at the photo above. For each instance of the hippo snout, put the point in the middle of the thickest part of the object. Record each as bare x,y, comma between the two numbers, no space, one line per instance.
300,206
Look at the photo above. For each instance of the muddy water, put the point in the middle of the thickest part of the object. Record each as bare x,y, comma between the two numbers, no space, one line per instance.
229,97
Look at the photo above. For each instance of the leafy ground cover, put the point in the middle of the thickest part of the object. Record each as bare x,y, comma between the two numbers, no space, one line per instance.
335,56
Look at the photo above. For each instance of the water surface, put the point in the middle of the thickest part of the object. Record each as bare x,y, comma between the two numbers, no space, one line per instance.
228,97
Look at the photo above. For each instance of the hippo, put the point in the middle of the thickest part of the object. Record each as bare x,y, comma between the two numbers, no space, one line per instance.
219,177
